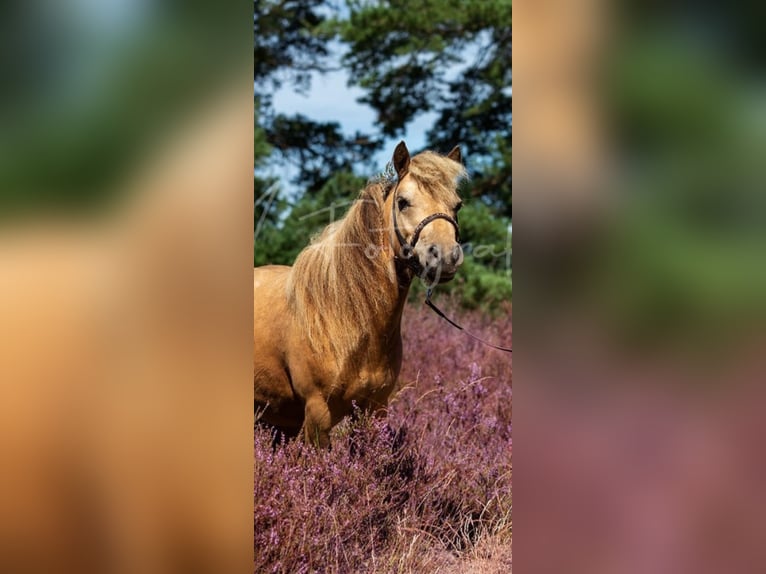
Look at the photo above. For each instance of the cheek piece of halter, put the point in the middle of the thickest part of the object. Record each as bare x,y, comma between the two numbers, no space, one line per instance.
408,247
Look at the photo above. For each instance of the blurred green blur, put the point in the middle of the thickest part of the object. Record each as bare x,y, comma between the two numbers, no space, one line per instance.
125,295
648,156
685,252
91,87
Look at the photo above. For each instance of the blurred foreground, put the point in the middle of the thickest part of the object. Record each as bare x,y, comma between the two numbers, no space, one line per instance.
641,241
125,361
125,301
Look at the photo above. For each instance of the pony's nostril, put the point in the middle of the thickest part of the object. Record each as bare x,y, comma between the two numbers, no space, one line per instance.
457,255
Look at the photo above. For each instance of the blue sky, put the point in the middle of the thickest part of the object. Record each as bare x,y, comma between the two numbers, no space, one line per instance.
331,99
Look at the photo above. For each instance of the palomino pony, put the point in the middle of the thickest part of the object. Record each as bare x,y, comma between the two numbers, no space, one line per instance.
328,329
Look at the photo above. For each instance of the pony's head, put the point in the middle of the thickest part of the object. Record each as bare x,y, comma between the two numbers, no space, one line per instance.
421,212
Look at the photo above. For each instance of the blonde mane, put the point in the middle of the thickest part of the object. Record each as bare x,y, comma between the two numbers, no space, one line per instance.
341,280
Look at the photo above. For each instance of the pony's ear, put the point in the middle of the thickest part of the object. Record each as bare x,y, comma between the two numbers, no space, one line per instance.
401,159
455,154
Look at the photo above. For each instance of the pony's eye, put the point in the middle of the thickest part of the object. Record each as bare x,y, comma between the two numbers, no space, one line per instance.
403,204
458,207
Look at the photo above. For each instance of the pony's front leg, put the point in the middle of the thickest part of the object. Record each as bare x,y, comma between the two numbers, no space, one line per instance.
316,427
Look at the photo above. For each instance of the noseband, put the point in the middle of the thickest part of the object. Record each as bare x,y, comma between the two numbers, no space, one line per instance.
408,247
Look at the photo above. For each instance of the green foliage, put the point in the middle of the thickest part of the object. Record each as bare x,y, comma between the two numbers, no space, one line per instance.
485,236
279,241
494,183
482,288
261,147
286,41
317,149
87,94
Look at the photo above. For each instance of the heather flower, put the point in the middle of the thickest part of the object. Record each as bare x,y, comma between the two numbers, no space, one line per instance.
436,469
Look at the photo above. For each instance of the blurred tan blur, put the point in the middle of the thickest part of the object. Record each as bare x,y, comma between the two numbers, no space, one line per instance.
641,309
125,341
561,162
125,408
124,360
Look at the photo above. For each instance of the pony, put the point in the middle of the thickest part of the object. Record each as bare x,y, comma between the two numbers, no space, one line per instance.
327,331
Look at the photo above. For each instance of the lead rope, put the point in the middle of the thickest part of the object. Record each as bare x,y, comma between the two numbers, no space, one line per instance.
451,322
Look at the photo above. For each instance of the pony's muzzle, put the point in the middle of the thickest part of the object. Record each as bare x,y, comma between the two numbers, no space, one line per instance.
443,263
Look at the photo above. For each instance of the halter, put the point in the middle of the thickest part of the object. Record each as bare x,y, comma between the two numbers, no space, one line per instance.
408,247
